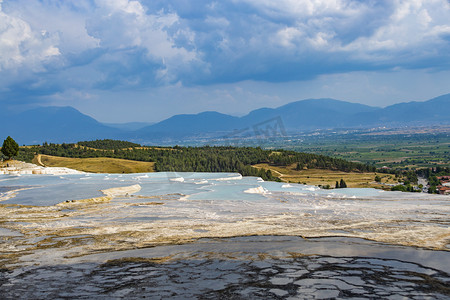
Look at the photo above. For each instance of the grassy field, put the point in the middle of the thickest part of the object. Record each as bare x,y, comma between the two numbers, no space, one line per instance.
324,177
96,165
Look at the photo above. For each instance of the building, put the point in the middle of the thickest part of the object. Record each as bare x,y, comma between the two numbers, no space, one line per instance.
445,180
443,190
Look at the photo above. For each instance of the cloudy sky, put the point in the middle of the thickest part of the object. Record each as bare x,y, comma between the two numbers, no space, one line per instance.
145,60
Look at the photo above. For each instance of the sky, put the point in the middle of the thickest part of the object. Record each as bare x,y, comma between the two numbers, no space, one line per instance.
146,60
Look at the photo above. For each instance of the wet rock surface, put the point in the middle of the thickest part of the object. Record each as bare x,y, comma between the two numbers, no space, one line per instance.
304,277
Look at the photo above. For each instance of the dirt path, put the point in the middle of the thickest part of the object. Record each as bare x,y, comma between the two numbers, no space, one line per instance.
39,162
279,174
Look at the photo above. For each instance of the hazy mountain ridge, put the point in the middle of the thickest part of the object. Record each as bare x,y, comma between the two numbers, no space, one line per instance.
313,114
209,121
129,126
54,124
66,124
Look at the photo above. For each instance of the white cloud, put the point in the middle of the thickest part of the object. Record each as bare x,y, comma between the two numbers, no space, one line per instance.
287,36
303,8
325,25
218,22
121,25
52,45
414,26
33,34
20,45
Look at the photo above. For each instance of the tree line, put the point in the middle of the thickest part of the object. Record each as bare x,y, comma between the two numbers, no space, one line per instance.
108,144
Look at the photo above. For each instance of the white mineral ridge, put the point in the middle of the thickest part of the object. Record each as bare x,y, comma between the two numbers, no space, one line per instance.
257,190
237,177
201,182
19,168
178,179
311,188
122,191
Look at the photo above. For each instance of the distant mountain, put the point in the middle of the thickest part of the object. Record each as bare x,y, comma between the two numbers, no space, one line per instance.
54,124
310,114
304,115
209,121
434,111
130,126
66,124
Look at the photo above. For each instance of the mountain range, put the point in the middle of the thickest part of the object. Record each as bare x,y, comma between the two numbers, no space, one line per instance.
66,124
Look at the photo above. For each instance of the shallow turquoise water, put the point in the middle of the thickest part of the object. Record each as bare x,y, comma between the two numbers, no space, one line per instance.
45,190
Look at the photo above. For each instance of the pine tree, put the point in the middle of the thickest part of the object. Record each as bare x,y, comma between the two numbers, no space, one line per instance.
10,148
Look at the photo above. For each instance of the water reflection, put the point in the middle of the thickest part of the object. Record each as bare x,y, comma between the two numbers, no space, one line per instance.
242,268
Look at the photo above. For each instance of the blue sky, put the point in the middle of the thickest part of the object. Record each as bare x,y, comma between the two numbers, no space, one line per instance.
124,60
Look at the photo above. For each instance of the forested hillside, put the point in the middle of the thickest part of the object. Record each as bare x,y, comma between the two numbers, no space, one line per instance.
198,159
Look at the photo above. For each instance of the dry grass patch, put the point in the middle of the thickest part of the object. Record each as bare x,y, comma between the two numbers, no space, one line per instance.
97,164
324,177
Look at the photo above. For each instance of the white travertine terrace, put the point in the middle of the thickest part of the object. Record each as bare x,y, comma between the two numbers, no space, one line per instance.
21,168
106,212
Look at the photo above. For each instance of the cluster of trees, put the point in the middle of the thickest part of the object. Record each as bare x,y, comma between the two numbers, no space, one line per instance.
341,184
324,162
215,159
108,144
317,161
436,171
405,188
433,182
410,177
